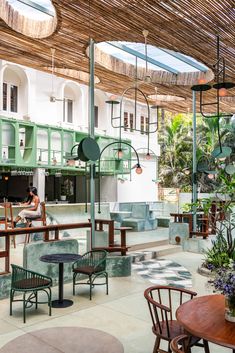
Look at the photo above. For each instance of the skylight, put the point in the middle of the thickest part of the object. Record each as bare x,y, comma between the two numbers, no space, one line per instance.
36,10
159,59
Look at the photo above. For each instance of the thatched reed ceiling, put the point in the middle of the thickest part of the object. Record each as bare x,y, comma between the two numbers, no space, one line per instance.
186,26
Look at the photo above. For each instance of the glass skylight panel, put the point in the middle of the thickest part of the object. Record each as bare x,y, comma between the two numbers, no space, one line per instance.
124,56
37,10
157,54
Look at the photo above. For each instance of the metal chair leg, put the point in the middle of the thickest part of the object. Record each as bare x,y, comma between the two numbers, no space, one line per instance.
49,301
11,300
24,308
36,299
74,279
90,286
107,283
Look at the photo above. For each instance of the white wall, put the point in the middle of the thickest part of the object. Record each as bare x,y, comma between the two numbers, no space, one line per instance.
141,187
41,110
186,197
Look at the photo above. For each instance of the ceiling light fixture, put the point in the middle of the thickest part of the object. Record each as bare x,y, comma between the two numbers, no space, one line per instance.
221,87
147,77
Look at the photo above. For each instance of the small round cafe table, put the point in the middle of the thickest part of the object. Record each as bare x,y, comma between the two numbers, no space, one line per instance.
60,259
204,317
64,340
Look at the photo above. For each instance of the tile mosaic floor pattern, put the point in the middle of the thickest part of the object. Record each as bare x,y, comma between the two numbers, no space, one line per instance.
161,271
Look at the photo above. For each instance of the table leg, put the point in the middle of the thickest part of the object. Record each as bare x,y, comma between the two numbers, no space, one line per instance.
61,302
123,242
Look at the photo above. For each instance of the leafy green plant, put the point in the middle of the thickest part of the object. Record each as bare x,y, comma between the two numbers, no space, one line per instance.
218,255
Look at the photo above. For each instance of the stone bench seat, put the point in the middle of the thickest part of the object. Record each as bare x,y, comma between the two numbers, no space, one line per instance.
163,221
140,224
136,215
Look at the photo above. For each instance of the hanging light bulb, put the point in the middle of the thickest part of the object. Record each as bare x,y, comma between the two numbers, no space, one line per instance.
138,169
223,92
52,97
148,156
201,81
120,153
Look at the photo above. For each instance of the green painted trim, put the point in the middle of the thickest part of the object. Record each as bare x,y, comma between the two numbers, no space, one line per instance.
29,161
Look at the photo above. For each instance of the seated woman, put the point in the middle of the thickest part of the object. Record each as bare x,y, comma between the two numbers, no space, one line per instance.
33,210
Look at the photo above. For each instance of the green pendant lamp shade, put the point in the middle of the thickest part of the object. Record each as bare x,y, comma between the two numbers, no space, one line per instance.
88,150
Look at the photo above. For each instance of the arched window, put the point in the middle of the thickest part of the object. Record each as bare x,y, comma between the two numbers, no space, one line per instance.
14,91
144,121
72,104
129,117
100,110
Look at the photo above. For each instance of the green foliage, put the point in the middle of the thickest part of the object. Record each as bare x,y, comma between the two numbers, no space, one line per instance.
203,204
218,256
176,156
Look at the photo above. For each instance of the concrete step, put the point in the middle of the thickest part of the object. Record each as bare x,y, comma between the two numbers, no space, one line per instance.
151,244
155,252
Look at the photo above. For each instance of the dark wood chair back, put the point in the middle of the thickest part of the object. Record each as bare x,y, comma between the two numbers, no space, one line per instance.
8,220
163,302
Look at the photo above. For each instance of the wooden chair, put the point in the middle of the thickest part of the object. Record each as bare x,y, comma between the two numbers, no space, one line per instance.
29,282
41,219
93,265
163,302
179,344
8,220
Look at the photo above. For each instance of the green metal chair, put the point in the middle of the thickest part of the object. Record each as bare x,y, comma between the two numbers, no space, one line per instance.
30,283
93,265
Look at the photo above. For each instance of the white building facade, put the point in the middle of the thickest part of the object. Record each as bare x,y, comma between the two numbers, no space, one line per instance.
34,96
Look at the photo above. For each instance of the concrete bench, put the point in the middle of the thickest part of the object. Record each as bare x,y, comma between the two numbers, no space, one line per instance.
140,219
163,221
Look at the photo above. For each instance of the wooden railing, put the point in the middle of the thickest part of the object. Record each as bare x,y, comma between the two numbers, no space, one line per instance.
45,229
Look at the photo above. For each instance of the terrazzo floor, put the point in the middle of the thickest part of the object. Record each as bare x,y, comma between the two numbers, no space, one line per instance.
161,271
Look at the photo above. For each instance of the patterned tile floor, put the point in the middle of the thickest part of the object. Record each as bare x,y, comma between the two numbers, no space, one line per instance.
161,271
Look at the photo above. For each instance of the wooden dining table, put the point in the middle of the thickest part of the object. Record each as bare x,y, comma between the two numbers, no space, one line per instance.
204,317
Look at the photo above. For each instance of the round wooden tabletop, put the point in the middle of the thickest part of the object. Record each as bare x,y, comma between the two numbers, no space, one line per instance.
204,317
64,340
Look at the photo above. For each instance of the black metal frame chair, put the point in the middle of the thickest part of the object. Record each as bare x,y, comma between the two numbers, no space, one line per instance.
29,282
93,265
165,326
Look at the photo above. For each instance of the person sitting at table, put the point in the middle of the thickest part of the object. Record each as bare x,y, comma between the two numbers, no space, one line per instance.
33,210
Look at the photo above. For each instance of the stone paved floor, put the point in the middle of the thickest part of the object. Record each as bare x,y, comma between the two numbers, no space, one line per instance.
123,313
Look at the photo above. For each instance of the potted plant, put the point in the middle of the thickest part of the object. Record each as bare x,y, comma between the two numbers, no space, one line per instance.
66,190
63,193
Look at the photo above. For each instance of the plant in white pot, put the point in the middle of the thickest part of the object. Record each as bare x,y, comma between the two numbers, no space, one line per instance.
66,190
